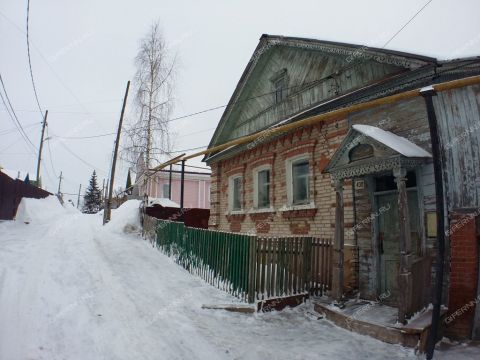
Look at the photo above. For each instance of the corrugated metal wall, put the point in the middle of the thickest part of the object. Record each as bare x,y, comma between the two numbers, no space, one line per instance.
458,114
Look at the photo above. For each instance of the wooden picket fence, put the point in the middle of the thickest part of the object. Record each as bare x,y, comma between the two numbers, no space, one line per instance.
249,266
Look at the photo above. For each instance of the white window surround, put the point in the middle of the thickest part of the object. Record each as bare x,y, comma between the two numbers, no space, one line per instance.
308,206
255,187
231,180
289,183
262,210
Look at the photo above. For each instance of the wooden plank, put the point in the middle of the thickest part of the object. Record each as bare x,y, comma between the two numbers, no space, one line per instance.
281,303
295,265
245,309
259,267
281,279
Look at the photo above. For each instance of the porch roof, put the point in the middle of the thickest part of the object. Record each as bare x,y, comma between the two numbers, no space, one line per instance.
397,143
387,151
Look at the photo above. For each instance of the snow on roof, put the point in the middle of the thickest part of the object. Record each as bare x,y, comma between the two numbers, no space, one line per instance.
15,174
395,142
162,202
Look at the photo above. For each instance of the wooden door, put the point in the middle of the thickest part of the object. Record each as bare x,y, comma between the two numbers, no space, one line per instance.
389,243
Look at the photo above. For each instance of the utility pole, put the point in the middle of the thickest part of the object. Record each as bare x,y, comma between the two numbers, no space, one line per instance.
182,186
59,183
78,198
40,148
170,183
108,210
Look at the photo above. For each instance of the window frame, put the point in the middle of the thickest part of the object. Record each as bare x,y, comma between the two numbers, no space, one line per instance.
163,190
289,164
231,192
280,86
256,188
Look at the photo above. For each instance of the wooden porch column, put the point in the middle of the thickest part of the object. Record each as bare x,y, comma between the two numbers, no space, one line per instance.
405,271
337,274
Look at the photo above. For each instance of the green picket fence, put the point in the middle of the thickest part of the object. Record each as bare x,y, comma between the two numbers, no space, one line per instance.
220,258
249,267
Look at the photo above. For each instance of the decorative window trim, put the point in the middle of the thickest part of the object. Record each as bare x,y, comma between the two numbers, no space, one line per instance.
231,180
289,180
309,206
262,210
299,148
255,172
266,159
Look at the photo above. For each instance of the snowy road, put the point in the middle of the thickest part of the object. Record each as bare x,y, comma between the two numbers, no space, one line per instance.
70,289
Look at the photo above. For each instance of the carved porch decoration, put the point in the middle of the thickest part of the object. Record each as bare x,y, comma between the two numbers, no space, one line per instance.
368,150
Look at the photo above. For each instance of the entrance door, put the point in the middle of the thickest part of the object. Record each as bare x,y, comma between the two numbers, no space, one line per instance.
389,244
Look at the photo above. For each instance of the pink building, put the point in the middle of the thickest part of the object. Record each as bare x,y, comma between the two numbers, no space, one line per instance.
196,190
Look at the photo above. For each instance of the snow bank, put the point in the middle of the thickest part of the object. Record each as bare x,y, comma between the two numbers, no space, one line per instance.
162,202
126,219
39,210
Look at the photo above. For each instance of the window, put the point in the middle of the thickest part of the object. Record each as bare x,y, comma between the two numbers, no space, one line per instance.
235,193
166,190
299,182
261,195
280,89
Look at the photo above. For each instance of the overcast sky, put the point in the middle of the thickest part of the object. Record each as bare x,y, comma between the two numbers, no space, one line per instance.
83,51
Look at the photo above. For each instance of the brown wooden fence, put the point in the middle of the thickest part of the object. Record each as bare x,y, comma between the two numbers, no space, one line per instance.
290,265
248,266
12,191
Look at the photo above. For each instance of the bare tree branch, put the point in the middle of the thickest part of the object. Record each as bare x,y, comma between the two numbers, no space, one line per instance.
149,136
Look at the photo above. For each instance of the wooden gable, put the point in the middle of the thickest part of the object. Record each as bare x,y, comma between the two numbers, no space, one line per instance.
312,71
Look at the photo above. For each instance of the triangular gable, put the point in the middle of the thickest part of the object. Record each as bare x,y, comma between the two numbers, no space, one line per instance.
246,102
369,149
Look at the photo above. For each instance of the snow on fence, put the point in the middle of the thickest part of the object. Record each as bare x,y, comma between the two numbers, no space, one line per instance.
249,266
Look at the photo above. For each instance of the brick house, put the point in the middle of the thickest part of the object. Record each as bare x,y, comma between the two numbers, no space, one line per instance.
366,178
162,184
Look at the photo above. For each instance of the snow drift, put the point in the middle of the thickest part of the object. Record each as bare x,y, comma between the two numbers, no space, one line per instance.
126,219
39,210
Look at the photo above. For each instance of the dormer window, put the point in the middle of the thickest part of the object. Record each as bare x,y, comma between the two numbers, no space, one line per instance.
280,90
280,85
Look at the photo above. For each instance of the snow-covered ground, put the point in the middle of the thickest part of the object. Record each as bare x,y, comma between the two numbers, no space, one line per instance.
72,289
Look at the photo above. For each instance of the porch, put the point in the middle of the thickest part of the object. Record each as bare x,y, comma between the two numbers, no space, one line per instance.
395,266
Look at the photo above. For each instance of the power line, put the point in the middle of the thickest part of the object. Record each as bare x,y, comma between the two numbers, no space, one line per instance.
50,157
195,148
408,22
14,117
79,158
13,142
433,76
30,60
113,133
196,132
15,129
84,137
68,112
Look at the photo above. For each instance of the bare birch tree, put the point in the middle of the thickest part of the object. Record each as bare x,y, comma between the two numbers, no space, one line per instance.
149,135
